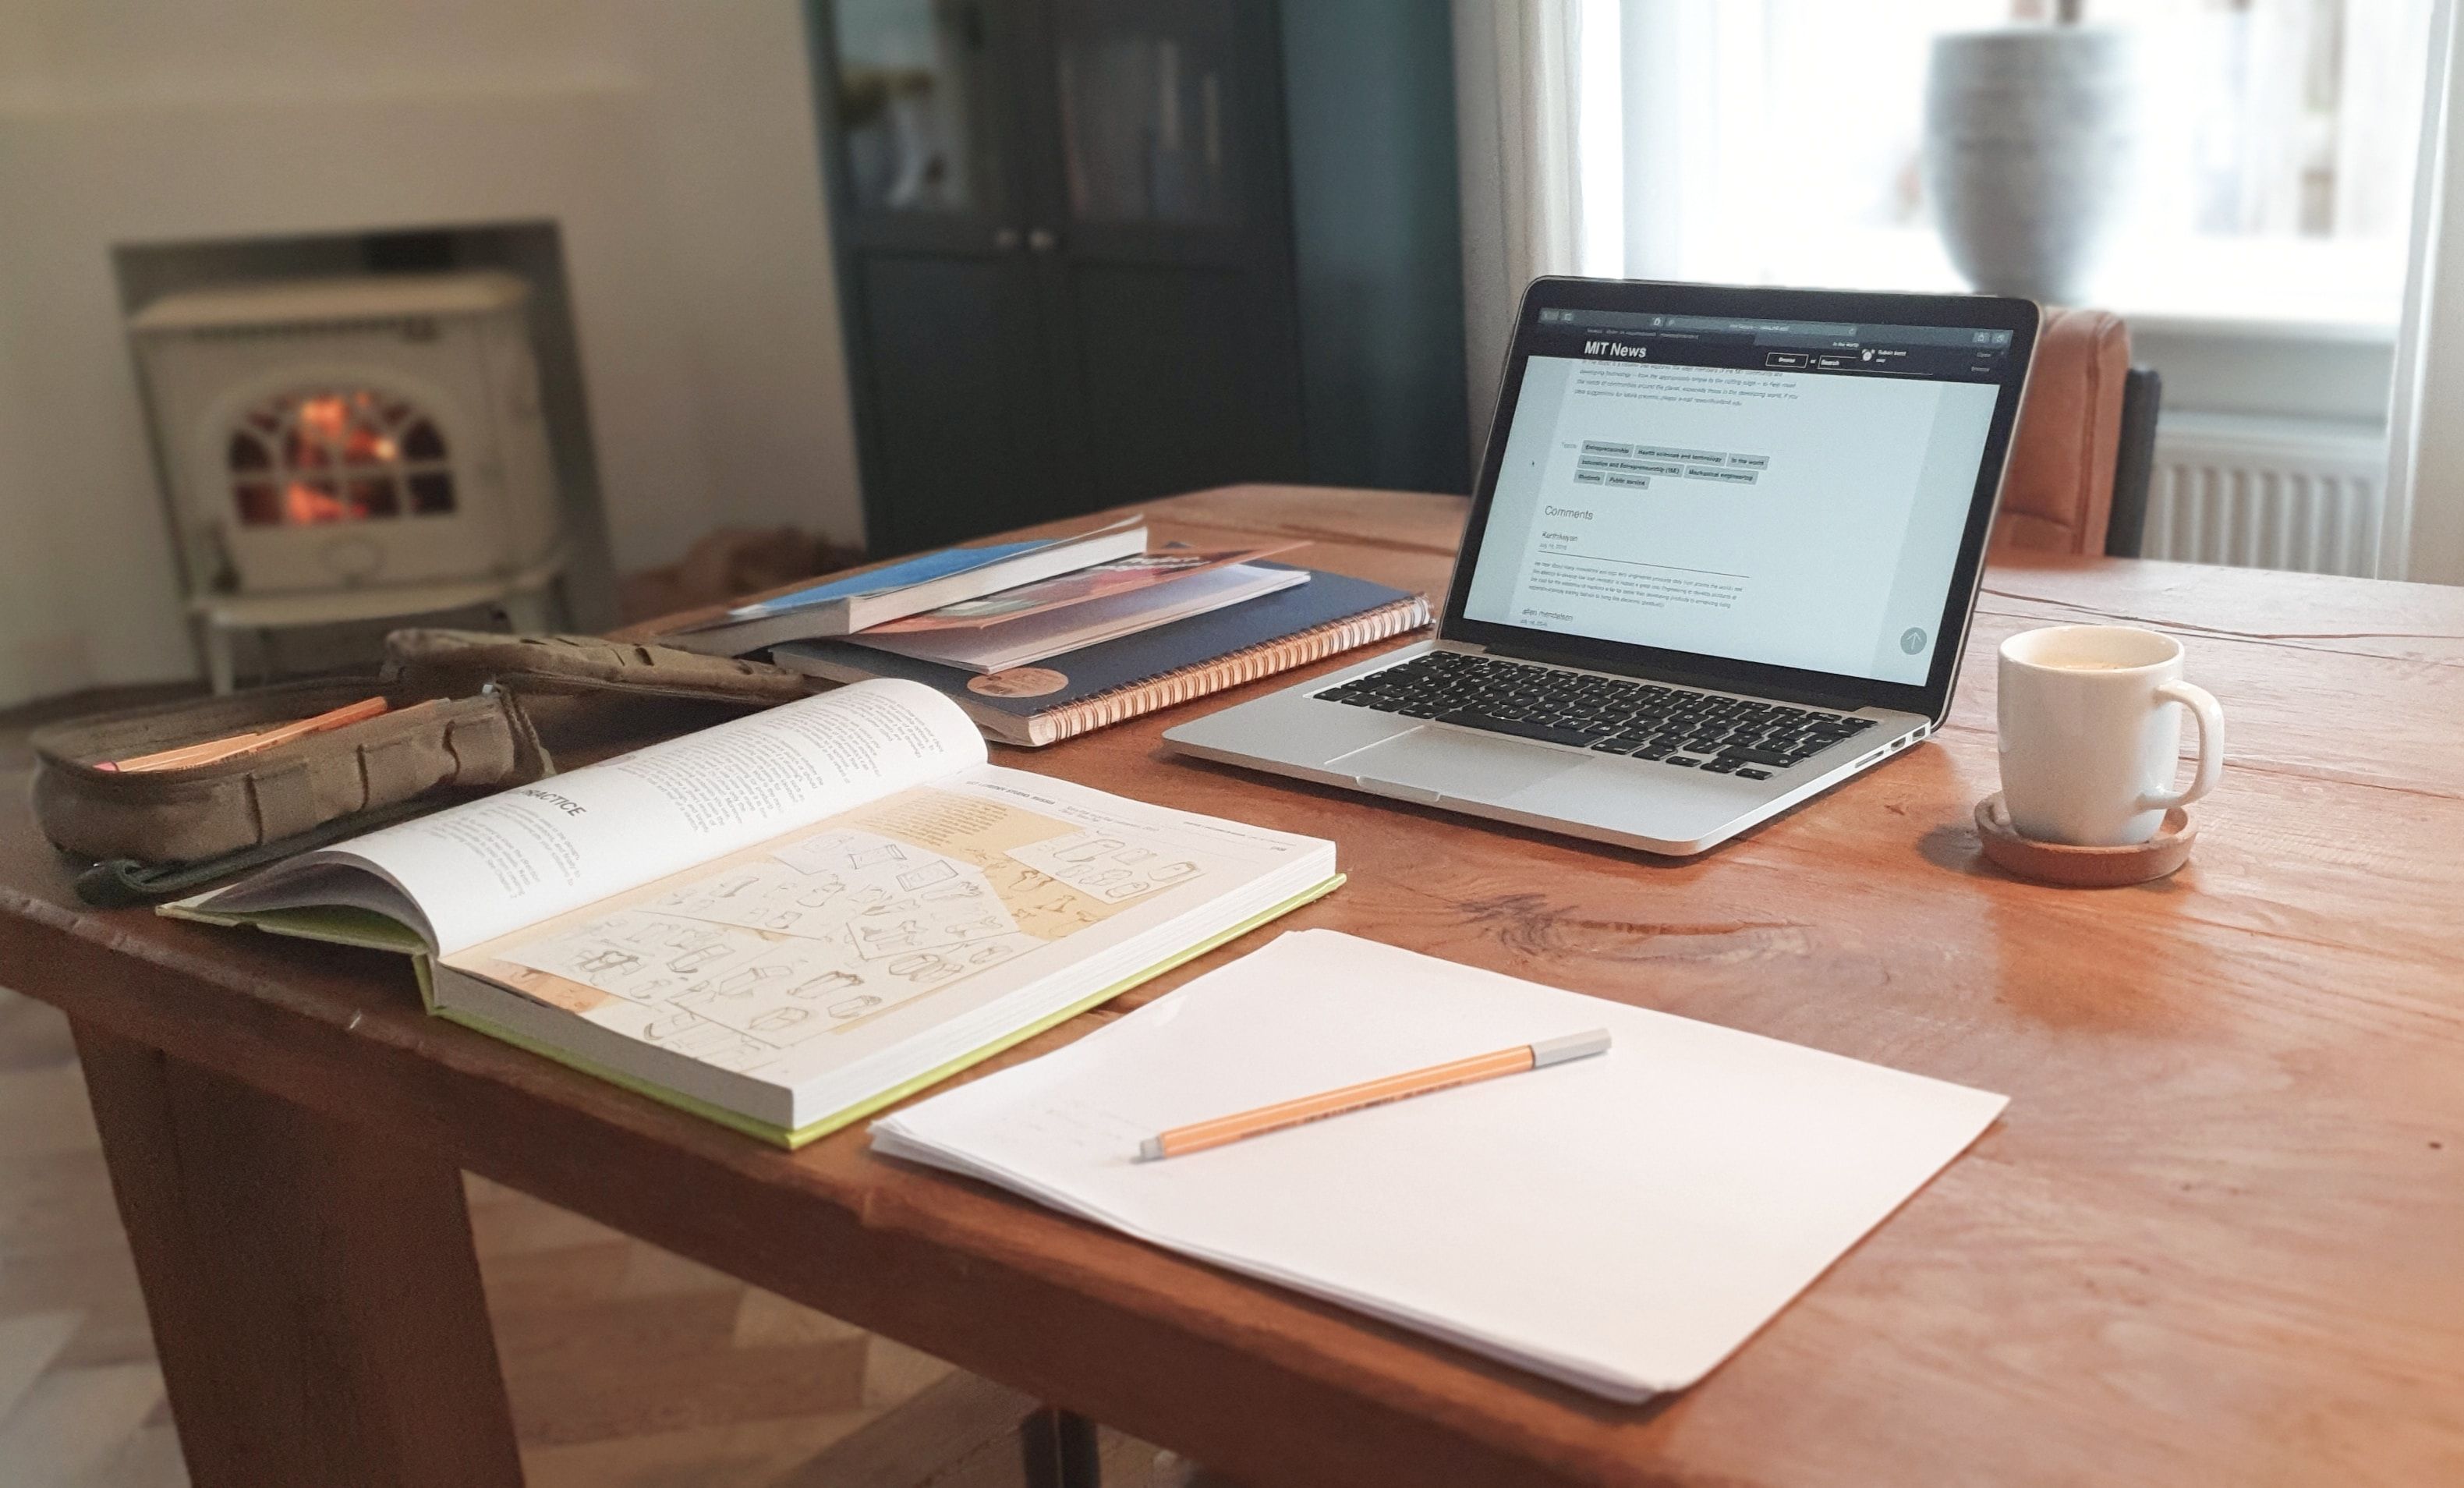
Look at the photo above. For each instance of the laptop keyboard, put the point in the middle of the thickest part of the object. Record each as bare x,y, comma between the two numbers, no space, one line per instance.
1613,714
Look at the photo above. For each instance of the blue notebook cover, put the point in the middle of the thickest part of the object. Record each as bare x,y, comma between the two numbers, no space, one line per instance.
920,569
1093,670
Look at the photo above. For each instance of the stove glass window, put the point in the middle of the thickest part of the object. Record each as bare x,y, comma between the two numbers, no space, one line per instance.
336,455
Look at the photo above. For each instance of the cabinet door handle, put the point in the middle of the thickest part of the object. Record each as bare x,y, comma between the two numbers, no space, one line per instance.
1005,238
1043,239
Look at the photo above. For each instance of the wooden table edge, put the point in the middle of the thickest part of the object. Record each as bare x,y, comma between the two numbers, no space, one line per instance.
439,1088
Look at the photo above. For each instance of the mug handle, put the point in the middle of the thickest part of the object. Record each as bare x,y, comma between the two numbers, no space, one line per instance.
2212,745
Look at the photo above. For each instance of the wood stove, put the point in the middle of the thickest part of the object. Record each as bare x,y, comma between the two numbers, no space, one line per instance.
351,447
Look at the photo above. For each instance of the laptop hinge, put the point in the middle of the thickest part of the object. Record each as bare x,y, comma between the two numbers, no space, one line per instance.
1467,648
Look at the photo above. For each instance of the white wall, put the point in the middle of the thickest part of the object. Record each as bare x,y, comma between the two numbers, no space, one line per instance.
673,142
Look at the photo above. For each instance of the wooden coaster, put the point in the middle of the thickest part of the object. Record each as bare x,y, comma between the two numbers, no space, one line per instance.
2083,867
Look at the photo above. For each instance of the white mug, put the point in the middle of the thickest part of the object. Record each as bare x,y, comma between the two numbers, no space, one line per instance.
2090,733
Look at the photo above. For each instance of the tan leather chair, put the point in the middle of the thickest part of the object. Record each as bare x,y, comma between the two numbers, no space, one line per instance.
2057,497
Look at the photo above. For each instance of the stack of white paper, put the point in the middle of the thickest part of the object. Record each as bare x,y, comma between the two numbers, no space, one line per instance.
1619,1223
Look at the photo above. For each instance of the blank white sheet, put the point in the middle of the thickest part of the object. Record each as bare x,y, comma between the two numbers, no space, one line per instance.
1619,1223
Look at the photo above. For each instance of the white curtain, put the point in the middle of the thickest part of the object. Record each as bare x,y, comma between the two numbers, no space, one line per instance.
1515,124
2423,534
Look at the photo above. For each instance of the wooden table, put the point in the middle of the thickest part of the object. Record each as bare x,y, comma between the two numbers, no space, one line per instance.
2218,1237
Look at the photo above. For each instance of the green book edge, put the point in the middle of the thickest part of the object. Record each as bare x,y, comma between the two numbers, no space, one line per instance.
340,925
350,926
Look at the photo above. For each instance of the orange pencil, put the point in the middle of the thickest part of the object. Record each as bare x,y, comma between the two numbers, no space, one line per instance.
1198,1136
216,750
174,758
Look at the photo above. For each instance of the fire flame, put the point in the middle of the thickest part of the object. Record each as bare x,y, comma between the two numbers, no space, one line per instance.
327,420
336,459
302,505
323,417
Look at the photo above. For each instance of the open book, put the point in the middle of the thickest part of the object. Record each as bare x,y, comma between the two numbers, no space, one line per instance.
789,921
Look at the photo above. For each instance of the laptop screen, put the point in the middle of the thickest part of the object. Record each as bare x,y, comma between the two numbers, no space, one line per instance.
1788,493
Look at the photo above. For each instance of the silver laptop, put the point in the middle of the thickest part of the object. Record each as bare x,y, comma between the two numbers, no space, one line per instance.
1721,556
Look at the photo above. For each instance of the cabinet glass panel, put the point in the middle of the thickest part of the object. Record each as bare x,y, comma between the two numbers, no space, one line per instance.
907,91
1144,86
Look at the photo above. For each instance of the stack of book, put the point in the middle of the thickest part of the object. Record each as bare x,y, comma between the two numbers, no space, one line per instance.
1040,640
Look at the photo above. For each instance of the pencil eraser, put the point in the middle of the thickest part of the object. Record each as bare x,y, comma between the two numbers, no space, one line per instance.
1151,1149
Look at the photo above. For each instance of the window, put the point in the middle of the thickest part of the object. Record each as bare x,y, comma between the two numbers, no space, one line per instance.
905,78
336,454
1780,142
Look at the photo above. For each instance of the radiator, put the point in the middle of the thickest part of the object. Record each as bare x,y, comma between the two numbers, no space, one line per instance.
2266,493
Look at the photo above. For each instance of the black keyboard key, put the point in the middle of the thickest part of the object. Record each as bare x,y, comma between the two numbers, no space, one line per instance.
1749,772
1520,729
1756,757
1608,714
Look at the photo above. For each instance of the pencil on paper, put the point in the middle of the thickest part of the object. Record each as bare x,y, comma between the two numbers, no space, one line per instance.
1198,1136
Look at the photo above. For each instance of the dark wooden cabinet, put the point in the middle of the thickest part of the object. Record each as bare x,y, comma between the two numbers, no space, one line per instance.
1064,251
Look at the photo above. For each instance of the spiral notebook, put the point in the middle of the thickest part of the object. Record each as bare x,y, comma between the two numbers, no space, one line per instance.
1099,685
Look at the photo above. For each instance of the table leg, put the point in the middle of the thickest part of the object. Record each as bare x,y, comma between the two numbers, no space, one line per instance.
316,1304
1059,1450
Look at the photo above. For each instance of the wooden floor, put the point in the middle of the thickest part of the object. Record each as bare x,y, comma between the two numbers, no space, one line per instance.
628,1368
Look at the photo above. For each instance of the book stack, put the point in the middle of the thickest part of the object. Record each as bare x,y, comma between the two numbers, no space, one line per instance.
1040,640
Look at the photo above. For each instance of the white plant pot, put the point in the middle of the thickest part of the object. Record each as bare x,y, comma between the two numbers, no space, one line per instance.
2031,153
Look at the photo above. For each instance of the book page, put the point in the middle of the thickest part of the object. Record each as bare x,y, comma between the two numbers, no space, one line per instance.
476,871
822,946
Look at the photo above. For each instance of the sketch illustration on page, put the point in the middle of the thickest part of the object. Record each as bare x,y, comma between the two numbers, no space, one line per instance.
1104,864
831,930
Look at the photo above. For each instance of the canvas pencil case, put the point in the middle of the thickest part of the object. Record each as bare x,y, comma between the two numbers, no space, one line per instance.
468,711
188,815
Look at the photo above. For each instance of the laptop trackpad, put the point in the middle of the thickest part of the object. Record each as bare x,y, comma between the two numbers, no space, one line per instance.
1455,763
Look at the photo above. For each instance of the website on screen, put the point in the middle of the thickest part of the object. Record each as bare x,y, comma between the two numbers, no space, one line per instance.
1791,493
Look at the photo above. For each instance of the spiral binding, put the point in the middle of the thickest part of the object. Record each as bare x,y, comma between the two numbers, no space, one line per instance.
1167,689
